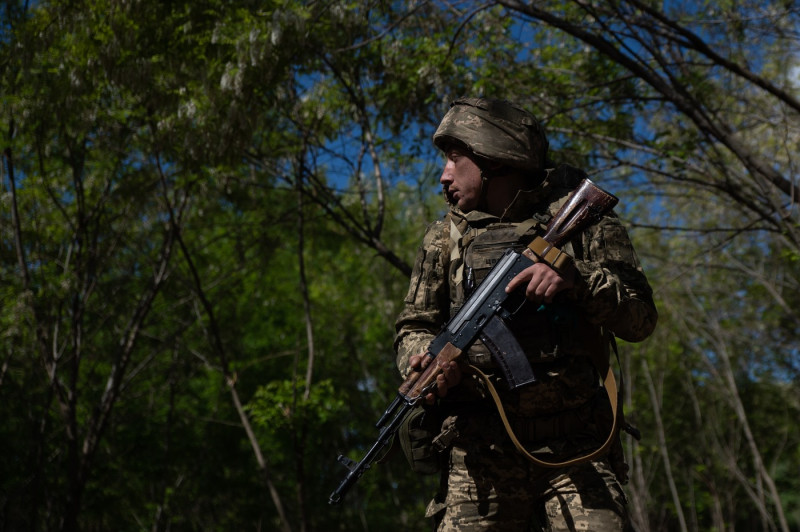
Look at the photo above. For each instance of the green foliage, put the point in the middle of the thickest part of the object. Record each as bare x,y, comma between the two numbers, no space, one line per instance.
281,408
218,198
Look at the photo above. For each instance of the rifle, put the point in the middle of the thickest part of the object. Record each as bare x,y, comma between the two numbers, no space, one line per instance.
485,313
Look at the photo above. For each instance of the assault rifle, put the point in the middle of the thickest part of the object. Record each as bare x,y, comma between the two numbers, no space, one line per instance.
484,315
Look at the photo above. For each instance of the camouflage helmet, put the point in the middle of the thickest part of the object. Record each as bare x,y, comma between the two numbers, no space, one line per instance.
496,130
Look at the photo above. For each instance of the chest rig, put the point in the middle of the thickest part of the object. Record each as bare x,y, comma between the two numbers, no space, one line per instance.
546,333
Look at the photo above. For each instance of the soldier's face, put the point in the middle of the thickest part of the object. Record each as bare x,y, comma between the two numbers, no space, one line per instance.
461,180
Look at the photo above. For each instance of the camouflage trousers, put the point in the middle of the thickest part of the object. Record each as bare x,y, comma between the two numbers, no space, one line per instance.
498,490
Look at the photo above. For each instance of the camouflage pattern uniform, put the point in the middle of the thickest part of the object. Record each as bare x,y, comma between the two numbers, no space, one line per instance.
486,483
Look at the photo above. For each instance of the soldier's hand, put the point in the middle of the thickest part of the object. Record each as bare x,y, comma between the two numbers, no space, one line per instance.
449,377
543,283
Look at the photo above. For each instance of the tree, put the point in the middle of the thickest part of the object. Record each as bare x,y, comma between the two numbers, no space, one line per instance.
195,189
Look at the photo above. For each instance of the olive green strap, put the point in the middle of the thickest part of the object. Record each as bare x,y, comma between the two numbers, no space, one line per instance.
540,250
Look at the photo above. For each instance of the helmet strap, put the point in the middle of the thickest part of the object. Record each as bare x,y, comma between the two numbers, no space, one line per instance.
483,198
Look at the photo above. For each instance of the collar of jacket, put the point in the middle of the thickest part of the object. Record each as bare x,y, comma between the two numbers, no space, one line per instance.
522,207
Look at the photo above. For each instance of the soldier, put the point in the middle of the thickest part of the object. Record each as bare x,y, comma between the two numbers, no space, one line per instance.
502,191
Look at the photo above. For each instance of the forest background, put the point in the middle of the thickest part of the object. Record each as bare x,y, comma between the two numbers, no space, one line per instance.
210,209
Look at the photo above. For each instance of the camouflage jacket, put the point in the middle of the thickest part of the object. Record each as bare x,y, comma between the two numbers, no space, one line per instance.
611,293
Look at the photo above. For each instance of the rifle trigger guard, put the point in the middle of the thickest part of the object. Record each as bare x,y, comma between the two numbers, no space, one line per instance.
519,307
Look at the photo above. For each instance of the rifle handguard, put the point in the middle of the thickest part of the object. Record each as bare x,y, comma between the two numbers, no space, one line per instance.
540,250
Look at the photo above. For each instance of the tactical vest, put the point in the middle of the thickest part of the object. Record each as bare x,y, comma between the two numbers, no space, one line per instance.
548,334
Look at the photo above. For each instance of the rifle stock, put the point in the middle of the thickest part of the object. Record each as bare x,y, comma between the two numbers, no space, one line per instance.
583,208
586,205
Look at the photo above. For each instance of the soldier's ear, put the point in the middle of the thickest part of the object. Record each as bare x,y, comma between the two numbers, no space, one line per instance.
493,168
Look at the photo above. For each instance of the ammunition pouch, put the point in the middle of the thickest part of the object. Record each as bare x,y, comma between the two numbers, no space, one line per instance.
417,433
561,425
